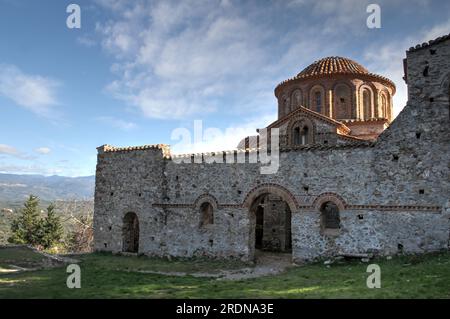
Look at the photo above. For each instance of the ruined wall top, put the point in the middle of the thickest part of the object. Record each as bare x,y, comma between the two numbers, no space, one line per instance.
110,149
427,72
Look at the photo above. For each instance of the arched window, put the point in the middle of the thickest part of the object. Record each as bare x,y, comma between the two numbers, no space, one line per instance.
384,109
300,134
330,216
206,214
316,102
342,102
296,99
367,104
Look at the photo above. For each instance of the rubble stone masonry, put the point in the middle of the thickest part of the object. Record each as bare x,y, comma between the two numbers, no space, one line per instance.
392,194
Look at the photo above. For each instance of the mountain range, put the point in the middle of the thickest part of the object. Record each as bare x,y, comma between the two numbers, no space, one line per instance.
16,188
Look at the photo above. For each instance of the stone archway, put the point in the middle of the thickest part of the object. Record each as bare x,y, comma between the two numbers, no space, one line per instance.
130,233
270,209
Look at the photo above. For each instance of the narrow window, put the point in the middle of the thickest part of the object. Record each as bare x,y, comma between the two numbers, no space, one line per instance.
206,214
318,100
384,111
367,104
296,99
330,216
304,136
297,136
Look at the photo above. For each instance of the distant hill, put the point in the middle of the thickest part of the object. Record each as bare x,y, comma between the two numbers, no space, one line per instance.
16,188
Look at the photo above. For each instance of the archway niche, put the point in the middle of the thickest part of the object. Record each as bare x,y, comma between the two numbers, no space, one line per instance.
330,218
296,99
271,223
206,214
367,103
343,102
317,99
130,233
300,132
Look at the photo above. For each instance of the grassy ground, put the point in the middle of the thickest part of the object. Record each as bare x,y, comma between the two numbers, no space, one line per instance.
21,257
108,276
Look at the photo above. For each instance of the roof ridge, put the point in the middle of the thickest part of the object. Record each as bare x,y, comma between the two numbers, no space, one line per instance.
311,112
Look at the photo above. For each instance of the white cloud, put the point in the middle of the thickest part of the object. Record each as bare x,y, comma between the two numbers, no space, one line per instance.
182,58
214,139
386,59
175,60
435,32
8,150
349,16
34,92
14,152
43,150
118,123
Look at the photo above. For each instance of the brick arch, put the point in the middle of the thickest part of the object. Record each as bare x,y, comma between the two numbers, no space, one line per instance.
313,88
379,110
206,198
372,92
270,188
285,104
329,197
303,120
350,111
302,95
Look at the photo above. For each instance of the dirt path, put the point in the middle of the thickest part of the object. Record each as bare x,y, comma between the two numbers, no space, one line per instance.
267,264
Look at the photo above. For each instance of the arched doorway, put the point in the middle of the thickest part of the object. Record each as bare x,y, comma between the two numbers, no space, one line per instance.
130,233
270,207
272,224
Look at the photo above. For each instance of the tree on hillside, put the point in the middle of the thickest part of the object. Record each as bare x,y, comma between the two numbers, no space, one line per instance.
25,228
31,229
51,228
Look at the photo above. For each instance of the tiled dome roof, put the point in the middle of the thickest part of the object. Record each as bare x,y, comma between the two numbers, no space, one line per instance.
332,65
327,67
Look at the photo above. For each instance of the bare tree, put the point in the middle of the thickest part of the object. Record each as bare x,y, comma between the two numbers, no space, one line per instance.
78,216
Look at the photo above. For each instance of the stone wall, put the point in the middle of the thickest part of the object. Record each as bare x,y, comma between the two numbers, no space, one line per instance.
392,195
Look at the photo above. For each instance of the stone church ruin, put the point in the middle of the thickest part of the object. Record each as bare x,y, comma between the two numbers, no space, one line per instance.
352,180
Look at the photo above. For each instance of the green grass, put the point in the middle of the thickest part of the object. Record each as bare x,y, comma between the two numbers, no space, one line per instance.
109,276
143,263
19,256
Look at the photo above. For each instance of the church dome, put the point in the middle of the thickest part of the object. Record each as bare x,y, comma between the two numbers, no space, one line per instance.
340,89
336,66
332,65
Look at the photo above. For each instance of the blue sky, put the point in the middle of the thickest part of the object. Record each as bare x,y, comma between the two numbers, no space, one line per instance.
138,70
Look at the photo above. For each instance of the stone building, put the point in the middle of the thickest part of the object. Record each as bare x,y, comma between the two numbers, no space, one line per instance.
351,180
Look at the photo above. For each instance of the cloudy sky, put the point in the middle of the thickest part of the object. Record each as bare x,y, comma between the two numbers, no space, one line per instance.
137,70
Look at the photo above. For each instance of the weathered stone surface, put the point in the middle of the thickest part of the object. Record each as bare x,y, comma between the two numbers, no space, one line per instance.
393,194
